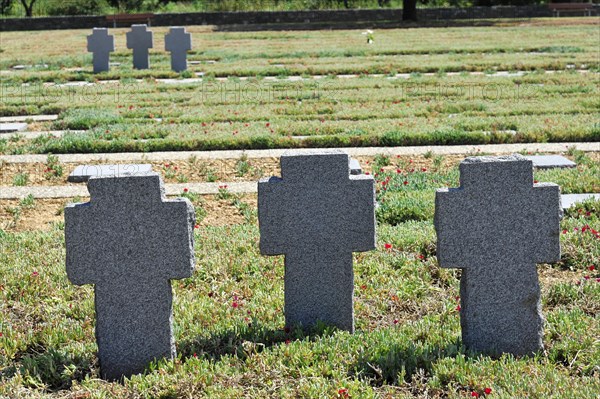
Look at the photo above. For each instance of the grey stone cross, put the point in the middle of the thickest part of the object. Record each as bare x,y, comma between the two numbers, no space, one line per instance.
101,44
140,40
496,227
129,241
178,42
317,215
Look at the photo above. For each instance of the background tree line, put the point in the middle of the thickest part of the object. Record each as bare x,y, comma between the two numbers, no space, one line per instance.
95,7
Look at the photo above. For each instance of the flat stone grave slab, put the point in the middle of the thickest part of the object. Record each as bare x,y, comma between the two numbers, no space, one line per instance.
355,168
23,118
83,173
568,200
550,161
12,127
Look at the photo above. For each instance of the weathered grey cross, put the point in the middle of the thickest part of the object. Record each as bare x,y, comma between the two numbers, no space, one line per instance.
129,241
178,42
101,44
317,215
496,227
140,40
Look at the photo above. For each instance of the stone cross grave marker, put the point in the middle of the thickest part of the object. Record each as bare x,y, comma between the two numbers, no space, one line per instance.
496,227
316,215
178,42
129,241
140,39
101,44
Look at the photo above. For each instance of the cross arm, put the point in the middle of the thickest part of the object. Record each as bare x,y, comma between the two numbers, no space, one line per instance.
80,264
361,203
548,213
271,208
180,218
447,221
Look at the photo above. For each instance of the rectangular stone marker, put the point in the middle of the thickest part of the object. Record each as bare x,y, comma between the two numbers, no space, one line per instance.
82,173
178,42
12,127
568,200
550,161
101,44
317,215
129,241
496,227
141,41
355,168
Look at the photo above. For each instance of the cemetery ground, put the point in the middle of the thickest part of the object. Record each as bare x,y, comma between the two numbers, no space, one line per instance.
229,323
228,317
296,89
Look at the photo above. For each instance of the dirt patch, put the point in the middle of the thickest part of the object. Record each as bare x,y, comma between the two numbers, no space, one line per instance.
222,170
44,213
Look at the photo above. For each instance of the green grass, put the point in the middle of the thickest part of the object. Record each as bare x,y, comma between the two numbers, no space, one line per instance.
407,342
148,115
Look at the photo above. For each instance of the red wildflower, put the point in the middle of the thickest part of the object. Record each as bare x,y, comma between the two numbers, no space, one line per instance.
343,392
197,226
35,274
398,171
235,305
130,107
395,321
406,182
591,268
268,124
363,287
195,355
458,308
487,391
474,394
185,190
423,169
387,246
287,341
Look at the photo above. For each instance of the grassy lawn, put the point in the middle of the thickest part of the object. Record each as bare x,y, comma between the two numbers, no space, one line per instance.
229,324
426,106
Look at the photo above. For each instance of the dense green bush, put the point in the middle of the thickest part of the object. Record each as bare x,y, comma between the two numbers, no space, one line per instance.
77,7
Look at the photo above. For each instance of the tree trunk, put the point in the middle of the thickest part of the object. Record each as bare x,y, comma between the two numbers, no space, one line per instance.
409,10
28,7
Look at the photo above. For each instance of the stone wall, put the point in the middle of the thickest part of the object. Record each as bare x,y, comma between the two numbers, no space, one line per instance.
288,19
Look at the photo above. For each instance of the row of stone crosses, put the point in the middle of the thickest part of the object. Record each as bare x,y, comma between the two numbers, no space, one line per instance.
130,241
140,40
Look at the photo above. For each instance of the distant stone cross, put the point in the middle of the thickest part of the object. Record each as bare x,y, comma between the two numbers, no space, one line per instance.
129,241
317,215
496,227
101,44
178,42
141,41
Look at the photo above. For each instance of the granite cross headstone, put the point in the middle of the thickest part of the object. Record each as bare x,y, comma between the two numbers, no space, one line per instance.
141,41
129,241
496,227
178,42
316,215
100,43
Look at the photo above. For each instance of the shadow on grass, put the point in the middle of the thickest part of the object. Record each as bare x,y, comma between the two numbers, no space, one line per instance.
51,369
399,363
244,341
